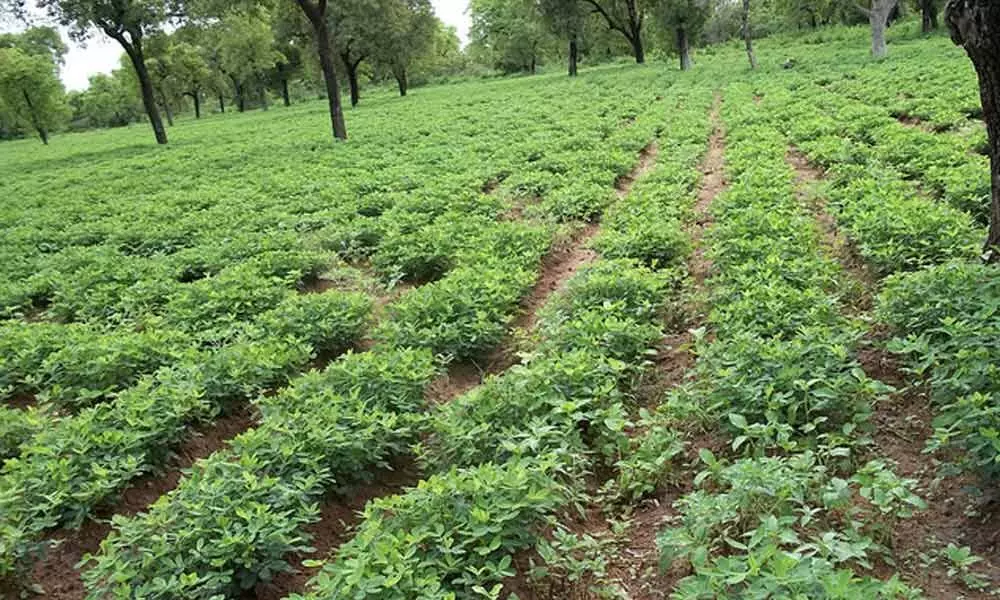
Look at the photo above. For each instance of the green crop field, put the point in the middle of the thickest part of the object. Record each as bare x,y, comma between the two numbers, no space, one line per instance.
638,334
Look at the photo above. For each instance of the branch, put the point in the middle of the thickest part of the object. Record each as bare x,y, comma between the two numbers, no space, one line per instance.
611,23
866,11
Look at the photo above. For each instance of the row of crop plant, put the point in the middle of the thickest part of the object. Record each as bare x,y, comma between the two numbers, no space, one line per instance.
941,307
891,226
850,132
460,316
508,457
64,472
780,515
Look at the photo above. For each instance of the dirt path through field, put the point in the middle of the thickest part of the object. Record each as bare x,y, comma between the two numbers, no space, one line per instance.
903,423
634,560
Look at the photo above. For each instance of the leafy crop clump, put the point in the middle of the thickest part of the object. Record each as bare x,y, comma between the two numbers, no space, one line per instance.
946,321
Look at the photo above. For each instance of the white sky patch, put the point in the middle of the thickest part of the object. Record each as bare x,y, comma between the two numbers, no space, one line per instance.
99,54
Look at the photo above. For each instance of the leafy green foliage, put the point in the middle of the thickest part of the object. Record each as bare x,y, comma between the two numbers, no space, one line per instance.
945,325
453,534
767,526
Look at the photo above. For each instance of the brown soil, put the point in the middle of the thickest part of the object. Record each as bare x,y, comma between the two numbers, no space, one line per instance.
21,401
647,158
836,245
56,573
634,560
459,379
339,515
903,423
713,183
559,266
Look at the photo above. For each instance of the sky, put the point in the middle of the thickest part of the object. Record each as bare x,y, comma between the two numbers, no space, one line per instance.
101,55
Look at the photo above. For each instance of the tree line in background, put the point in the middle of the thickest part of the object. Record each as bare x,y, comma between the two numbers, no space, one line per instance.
184,55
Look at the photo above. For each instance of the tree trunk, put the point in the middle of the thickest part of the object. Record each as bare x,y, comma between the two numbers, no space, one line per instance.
197,104
929,15
878,18
975,25
352,76
284,92
400,74
635,27
42,133
637,50
747,37
166,110
222,104
574,52
134,52
241,101
532,68
321,29
263,97
684,49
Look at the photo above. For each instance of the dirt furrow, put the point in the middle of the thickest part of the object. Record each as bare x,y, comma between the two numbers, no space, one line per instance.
903,423
339,515
635,564
341,512
56,571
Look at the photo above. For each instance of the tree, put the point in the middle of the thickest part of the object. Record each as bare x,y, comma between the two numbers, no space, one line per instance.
158,64
37,41
247,52
125,21
683,20
929,10
509,32
316,12
109,101
289,42
408,28
444,57
747,37
878,16
626,17
566,19
975,25
30,92
190,74
356,27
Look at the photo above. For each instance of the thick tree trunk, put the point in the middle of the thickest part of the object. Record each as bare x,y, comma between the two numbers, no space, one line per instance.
134,52
878,18
637,50
929,15
42,133
284,92
400,74
747,37
197,104
222,104
975,25
635,17
879,49
574,52
322,31
683,48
